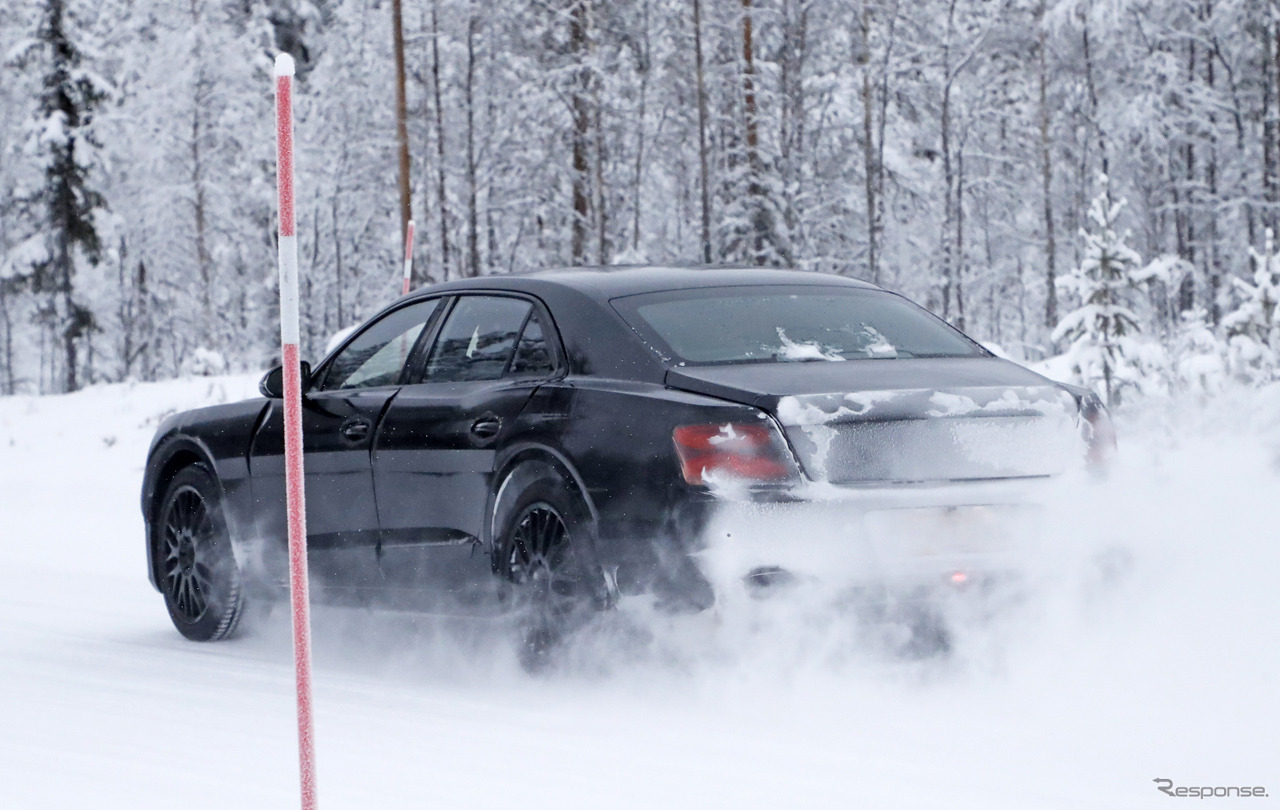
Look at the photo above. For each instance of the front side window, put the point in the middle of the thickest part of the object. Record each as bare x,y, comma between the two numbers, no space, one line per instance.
378,354
477,339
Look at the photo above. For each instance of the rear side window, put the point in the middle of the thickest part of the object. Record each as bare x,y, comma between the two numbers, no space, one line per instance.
477,340
776,324
533,355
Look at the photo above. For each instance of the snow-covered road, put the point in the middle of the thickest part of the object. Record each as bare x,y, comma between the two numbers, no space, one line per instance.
1167,666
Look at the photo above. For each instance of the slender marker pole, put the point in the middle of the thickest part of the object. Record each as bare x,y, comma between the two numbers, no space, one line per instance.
295,496
408,258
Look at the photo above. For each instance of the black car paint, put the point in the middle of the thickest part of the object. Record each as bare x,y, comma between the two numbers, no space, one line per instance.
383,508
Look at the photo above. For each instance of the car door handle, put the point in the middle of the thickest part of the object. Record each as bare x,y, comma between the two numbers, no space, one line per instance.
355,430
486,427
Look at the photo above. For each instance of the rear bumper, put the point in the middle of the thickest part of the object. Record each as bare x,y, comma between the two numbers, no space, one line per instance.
902,537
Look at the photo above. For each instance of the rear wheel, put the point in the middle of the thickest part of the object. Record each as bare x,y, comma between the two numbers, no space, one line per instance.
543,557
194,563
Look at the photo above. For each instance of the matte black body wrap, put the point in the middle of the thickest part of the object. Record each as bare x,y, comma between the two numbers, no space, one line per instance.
414,500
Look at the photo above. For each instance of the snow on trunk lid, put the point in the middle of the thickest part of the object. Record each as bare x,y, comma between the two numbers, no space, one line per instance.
933,435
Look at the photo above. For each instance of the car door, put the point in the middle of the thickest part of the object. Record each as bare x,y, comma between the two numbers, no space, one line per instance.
340,417
435,452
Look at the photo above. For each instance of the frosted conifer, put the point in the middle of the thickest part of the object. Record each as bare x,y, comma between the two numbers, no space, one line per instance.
1253,327
1103,352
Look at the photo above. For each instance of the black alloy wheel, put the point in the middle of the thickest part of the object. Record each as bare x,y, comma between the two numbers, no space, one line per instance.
194,563
542,561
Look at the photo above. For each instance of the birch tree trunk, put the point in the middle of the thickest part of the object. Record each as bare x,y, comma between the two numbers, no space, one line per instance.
581,132
702,131
642,67
1046,179
862,58
442,198
402,118
752,125
1212,269
948,171
473,220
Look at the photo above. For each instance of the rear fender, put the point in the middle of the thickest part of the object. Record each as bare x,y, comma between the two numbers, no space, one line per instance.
521,466
524,468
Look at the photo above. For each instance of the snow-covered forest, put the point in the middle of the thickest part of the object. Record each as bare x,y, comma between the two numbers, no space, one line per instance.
1092,180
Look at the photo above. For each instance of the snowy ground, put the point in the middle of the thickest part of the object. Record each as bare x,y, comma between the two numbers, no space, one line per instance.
1161,659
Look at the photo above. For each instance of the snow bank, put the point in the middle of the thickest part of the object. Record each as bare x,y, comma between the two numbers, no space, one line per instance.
1149,648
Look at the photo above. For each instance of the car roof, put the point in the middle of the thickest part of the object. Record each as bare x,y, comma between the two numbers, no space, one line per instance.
620,280
596,337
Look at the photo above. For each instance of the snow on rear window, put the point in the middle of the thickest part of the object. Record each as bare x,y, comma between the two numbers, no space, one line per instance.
789,324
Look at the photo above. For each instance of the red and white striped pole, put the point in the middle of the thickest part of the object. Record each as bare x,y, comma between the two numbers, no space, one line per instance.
295,496
408,258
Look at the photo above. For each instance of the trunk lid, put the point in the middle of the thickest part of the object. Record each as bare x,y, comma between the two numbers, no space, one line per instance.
906,420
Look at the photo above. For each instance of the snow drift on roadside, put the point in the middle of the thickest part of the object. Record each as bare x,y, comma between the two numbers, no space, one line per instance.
1152,651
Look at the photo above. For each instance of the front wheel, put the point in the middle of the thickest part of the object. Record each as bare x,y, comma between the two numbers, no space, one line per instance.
194,562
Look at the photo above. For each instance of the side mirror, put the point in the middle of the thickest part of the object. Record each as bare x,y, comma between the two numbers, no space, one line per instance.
272,385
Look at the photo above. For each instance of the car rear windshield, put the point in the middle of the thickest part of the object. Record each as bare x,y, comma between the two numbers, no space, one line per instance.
764,324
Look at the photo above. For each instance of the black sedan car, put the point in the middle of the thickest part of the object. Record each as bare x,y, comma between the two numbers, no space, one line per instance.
562,438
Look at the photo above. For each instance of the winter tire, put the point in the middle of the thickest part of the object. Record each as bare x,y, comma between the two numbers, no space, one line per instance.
541,556
194,562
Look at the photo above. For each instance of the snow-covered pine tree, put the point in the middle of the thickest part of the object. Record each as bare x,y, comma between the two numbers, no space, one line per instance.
63,130
1253,327
1199,364
856,110
1103,352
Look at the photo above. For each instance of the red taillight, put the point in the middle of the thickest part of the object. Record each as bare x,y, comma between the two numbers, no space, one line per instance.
735,450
